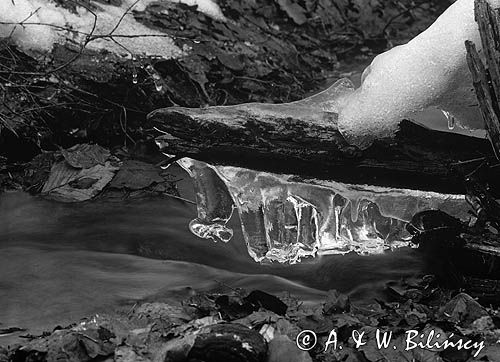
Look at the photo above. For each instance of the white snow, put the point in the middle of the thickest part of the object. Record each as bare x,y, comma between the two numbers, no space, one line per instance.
45,24
208,7
429,71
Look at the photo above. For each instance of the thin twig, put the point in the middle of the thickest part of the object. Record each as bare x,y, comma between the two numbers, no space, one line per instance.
181,198
122,17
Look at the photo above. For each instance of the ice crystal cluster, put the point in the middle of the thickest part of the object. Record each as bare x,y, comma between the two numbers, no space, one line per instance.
285,219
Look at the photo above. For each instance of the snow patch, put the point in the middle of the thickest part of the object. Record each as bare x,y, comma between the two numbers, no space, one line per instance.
208,7
429,71
45,24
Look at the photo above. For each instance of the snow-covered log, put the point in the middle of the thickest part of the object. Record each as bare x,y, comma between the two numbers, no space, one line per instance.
303,140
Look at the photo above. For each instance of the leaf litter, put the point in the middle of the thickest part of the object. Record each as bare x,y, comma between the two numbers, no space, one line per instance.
243,325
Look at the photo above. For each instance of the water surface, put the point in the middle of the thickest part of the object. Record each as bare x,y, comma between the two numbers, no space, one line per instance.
61,262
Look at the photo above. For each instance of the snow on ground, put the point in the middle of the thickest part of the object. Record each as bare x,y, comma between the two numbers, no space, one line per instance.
45,24
208,7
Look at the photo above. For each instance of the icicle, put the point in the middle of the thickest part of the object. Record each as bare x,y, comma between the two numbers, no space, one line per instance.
158,86
354,209
451,120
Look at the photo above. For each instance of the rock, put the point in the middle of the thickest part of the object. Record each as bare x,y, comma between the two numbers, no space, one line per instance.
336,303
229,343
282,349
463,309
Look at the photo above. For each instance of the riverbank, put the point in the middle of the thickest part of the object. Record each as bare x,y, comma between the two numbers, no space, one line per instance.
423,321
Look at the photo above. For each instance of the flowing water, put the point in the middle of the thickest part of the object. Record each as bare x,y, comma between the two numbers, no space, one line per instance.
61,262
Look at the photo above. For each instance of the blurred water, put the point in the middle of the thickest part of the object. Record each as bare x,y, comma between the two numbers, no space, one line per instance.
61,262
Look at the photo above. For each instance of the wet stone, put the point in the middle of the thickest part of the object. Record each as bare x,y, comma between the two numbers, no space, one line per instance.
229,343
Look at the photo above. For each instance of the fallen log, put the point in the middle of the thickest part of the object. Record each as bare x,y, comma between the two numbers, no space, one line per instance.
302,140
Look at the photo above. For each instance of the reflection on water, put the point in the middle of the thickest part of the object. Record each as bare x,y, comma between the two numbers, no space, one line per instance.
61,262
285,218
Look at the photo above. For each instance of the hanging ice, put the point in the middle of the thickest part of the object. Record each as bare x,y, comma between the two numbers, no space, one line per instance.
285,219
429,71
214,203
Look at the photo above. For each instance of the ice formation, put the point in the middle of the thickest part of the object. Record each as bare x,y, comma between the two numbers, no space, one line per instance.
429,71
284,219
44,25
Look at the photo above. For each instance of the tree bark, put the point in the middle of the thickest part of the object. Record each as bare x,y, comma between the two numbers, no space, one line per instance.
283,139
486,75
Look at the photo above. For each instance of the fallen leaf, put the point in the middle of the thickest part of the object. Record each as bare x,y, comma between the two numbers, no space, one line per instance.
69,184
86,155
267,301
127,354
136,175
163,311
489,354
231,61
336,303
258,319
294,11
463,309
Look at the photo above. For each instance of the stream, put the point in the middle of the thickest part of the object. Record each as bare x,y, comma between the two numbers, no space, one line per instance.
62,262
